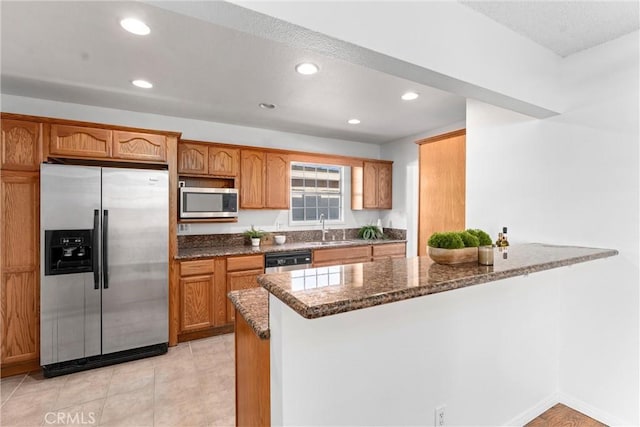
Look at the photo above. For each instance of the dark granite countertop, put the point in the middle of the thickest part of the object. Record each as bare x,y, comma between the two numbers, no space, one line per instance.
319,292
217,251
253,305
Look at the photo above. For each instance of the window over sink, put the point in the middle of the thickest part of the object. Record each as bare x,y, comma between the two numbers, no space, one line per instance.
316,190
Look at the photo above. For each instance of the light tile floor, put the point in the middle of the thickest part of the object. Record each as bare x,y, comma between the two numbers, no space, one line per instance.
192,385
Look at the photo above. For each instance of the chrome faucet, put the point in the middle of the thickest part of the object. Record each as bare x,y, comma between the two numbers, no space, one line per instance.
324,230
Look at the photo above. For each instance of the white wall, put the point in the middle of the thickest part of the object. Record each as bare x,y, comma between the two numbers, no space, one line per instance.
487,352
573,179
405,155
218,132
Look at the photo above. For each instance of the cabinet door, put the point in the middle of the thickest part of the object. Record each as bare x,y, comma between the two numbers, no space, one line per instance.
139,146
192,158
277,182
251,179
370,185
196,302
390,250
340,256
224,161
19,266
80,141
240,280
384,186
21,145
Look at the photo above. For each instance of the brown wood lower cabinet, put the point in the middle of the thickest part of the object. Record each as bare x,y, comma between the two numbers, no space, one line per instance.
253,378
390,250
352,255
337,256
202,297
242,273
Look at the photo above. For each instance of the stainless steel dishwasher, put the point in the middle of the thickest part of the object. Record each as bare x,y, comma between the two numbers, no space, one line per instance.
276,262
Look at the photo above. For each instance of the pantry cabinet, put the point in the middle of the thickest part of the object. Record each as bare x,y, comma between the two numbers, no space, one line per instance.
20,158
19,268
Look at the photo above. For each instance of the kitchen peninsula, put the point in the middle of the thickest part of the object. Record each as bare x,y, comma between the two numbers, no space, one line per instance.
341,354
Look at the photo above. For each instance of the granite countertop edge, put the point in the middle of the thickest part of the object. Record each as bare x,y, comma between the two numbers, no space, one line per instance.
332,308
218,251
253,306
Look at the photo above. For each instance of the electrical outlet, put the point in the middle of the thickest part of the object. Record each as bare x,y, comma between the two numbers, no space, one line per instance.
183,227
439,416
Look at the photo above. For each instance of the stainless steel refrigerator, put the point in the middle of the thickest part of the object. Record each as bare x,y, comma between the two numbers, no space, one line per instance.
104,265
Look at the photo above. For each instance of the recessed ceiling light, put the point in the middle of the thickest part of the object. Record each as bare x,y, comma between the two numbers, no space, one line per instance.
142,83
353,121
266,106
410,96
135,26
307,68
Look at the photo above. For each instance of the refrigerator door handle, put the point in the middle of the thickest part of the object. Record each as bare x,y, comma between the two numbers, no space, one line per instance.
94,255
105,253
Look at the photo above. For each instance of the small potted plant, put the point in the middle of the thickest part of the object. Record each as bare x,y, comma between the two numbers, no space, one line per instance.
370,232
255,235
456,247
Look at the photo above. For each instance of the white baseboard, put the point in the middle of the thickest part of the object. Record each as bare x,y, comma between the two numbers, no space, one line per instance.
537,409
593,412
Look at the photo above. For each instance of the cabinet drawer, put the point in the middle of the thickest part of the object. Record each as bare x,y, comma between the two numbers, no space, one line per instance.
338,256
245,262
190,268
392,250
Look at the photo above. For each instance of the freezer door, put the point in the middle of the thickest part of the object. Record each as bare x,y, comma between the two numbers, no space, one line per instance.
135,207
69,303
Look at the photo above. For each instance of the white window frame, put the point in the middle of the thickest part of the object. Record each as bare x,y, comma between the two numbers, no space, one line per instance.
293,223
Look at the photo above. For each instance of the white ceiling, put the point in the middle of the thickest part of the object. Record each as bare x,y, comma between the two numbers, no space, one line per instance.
77,52
220,71
564,27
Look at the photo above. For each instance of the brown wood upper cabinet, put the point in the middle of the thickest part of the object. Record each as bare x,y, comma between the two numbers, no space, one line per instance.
252,170
87,142
277,181
196,158
21,145
139,146
264,180
371,185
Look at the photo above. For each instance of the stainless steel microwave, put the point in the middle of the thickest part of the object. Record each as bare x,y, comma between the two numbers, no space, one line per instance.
199,202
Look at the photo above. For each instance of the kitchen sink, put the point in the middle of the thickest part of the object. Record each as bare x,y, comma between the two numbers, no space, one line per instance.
329,243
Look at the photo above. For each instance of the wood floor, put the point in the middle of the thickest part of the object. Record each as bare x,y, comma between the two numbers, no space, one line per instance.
563,416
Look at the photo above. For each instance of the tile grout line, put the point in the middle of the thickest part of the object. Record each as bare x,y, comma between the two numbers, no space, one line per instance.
104,403
14,390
